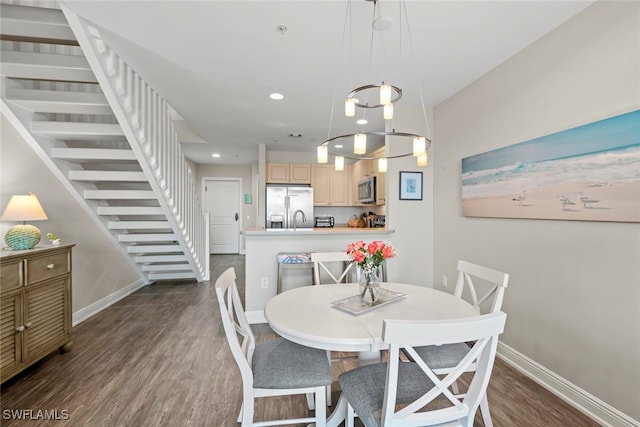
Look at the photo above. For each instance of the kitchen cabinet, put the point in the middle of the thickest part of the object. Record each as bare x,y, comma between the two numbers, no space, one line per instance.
288,173
331,187
35,298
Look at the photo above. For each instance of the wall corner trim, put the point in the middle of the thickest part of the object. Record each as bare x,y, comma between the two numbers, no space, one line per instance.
93,309
580,399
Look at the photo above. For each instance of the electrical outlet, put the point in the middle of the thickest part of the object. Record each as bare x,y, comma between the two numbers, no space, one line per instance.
444,281
264,282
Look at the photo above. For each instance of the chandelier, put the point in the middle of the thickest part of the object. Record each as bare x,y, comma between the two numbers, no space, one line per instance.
385,95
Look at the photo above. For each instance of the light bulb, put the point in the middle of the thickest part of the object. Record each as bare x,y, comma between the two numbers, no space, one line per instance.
388,111
350,107
382,164
385,94
323,154
419,145
360,143
422,159
339,163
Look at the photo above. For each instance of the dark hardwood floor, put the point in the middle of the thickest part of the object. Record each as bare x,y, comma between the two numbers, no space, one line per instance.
159,358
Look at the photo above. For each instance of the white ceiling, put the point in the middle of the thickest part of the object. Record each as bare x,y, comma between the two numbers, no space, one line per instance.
216,62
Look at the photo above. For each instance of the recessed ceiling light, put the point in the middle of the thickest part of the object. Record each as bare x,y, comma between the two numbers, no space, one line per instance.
277,96
338,145
216,155
362,122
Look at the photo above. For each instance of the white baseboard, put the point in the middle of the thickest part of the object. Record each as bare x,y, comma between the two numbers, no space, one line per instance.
583,401
92,309
256,317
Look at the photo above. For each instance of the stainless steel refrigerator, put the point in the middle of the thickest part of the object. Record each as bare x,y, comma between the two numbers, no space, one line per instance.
285,201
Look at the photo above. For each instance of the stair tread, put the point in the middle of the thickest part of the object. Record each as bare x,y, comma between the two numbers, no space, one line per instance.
59,101
92,154
46,66
36,24
120,176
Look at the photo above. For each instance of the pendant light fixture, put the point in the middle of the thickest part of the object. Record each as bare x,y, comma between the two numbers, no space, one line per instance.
388,94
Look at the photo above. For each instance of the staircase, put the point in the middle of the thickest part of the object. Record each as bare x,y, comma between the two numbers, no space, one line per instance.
107,135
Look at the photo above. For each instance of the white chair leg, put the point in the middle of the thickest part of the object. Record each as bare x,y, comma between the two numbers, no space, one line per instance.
484,410
321,407
329,386
311,401
246,414
351,415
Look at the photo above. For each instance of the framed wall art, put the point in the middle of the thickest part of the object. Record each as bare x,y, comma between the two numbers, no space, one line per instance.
410,185
587,173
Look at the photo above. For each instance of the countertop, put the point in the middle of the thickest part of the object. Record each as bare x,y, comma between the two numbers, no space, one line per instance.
258,231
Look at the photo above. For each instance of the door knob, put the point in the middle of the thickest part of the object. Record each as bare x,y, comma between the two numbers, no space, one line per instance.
236,217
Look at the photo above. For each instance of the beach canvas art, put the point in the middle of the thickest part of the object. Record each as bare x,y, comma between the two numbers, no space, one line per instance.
587,173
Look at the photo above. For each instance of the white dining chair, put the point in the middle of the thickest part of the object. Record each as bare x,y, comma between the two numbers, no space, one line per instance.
398,393
331,267
272,368
484,288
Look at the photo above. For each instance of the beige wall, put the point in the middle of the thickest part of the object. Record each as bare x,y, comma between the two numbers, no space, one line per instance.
99,269
412,219
573,300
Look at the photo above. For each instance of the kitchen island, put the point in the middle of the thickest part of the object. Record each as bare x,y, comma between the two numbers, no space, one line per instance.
263,246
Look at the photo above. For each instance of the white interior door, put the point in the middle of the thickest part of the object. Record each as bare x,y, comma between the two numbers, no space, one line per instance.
222,201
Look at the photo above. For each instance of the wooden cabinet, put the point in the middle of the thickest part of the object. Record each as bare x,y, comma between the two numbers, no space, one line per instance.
331,187
35,298
288,173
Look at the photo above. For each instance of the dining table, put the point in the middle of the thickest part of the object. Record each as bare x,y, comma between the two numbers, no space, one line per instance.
331,317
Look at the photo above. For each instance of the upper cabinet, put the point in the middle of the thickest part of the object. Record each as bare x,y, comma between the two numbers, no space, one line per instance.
331,187
288,173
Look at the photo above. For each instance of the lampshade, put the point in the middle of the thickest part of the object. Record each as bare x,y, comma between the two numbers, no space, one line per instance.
385,94
387,111
323,154
419,146
360,143
382,164
339,163
422,159
23,208
350,107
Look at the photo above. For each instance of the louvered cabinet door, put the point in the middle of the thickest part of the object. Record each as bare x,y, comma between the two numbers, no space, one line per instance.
46,318
10,335
35,290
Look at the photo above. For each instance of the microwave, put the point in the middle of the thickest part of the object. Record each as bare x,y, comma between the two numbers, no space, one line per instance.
367,190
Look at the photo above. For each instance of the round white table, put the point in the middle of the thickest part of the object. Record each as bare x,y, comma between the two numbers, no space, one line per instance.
306,316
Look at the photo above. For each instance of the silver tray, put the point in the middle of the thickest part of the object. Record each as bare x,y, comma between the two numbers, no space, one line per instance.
355,305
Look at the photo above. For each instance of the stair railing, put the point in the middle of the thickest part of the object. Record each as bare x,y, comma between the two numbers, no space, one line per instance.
147,123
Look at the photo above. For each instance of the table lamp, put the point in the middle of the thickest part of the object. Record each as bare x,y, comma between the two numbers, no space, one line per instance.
23,208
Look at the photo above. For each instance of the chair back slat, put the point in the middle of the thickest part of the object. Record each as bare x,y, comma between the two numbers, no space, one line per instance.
236,326
324,261
404,335
488,289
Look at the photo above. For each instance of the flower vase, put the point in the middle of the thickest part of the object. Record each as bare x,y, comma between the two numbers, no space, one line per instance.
369,285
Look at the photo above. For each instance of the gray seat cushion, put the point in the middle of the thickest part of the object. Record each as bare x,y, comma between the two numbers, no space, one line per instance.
364,388
281,364
443,356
